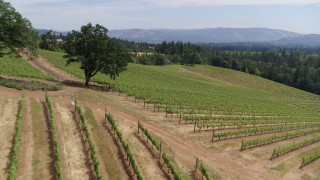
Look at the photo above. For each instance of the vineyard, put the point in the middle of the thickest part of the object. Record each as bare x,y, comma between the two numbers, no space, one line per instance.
160,122
16,73
170,89
14,66
217,104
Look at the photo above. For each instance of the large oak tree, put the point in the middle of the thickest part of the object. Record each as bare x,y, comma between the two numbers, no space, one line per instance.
96,52
15,31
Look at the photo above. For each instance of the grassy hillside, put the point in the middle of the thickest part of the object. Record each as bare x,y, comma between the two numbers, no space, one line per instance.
248,80
203,87
14,66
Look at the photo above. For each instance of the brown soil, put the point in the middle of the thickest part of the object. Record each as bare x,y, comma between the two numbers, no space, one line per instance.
27,143
222,158
149,170
75,156
42,160
112,164
8,117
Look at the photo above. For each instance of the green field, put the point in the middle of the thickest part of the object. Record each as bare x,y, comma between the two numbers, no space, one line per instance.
16,66
217,90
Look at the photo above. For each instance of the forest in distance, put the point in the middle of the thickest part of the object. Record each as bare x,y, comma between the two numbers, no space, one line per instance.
295,66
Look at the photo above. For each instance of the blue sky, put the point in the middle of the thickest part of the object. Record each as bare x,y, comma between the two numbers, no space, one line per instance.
300,16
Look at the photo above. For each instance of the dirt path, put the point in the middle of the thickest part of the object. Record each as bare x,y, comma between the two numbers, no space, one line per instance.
42,160
111,162
47,68
27,143
8,117
73,145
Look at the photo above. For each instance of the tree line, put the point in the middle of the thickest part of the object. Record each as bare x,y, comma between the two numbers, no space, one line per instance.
296,67
292,68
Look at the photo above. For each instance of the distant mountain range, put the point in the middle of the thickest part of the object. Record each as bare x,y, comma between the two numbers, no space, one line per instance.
302,40
218,35
43,31
215,35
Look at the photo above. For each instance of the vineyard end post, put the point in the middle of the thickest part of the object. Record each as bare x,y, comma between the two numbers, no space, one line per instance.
302,164
160,152
212,136
166,110
196,166
75,105
273,154
180,116
241,145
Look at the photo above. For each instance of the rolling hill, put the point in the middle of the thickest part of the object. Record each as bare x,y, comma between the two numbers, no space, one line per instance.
177,85
304,40
215,35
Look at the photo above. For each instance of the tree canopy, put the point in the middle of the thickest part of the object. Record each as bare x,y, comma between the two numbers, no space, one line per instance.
96,52
49,41
15,31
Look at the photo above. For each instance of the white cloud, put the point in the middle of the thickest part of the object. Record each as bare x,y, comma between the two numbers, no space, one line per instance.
172,3
34,2
177,3
118,14
71,15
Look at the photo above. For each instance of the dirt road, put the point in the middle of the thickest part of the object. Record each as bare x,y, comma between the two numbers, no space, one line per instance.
8,117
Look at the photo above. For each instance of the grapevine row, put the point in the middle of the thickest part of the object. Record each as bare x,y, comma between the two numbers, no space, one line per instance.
164,156
259,131
149,136
17,140
238,125
85,129
275,138
286,149
202,169
308,160
55,138
248,118
125,145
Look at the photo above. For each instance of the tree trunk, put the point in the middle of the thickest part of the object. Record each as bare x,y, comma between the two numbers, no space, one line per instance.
87,81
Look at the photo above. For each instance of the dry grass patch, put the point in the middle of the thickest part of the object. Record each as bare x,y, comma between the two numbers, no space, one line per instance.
42,161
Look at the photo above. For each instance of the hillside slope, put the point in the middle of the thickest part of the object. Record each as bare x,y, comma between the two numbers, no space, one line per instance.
221,89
